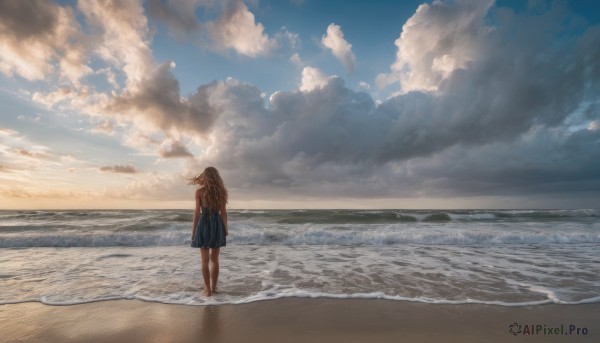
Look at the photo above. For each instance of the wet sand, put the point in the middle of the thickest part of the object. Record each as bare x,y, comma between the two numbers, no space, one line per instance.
292,320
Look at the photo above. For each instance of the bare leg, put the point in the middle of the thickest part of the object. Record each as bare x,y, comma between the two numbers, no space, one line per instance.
205,271
214,268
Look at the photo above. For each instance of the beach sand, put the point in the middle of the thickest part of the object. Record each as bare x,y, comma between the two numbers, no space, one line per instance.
290,320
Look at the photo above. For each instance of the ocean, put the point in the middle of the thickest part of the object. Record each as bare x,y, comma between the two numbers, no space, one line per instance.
502,257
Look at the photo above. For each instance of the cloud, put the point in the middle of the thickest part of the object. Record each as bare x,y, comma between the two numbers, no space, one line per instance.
545,161
37,153
313,78
22,193
121,29
38,38
494,124
106,127
236,29
8,132
142,141
174,150
300,130
179,16
438,39
111,77
295,59
341,49
24,152
157,102
151,98
32,166
284,36
477,110
493,97
119,35
154,186
125,169
59,95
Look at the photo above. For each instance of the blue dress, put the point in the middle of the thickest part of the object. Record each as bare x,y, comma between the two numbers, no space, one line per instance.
210,230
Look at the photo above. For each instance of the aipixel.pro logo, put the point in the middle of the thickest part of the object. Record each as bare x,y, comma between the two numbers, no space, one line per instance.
543,329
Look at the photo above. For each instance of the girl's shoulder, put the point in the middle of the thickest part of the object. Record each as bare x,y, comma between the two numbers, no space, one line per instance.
199,191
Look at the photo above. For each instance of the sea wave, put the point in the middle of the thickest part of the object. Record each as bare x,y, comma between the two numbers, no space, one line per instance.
409,216
304,236
412,236
32,219
127,239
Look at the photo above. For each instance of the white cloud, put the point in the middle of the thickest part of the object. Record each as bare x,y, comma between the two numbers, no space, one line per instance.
105,127
52,98
8,132
341,49
39,39
122,33
364,85
237,29
313,78
295,59
284,36
143,141
439,38
82,98
151,97
30,163
155,186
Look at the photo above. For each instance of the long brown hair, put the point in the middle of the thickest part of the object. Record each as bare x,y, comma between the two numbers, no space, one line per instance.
215,193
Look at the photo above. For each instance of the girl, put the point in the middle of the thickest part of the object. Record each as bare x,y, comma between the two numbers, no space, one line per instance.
210,226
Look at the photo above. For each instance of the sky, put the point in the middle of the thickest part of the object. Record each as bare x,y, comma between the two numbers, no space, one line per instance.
300,104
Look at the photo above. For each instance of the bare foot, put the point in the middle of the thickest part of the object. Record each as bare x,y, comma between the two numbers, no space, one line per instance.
207,292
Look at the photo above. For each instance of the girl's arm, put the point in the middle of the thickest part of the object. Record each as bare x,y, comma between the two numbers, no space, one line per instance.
197,211
224,216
